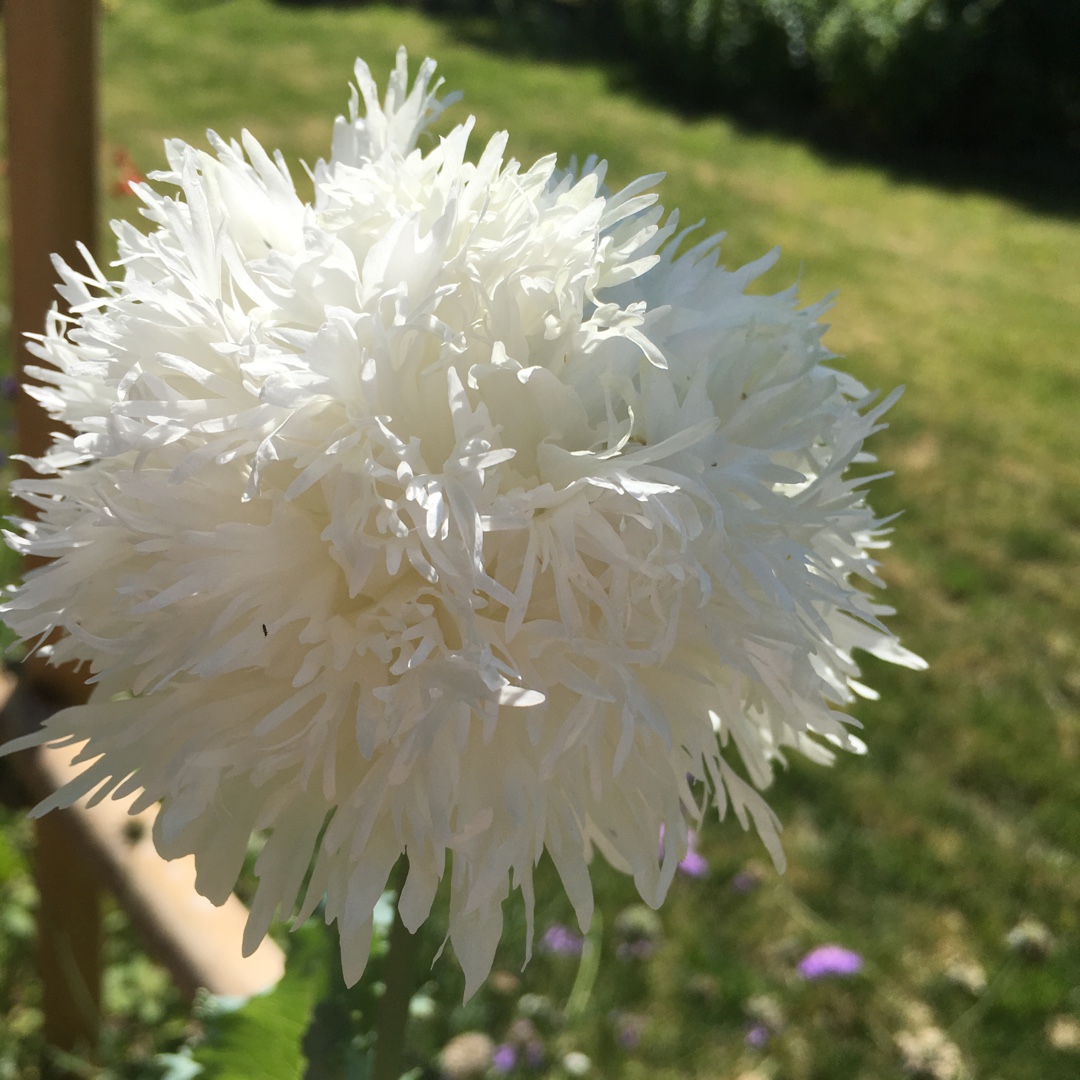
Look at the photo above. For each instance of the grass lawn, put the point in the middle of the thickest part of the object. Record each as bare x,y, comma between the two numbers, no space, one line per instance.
964,820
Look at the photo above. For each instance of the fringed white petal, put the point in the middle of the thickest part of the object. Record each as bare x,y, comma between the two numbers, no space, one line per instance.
454,514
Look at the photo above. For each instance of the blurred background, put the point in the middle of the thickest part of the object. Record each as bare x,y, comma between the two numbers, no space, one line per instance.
921,159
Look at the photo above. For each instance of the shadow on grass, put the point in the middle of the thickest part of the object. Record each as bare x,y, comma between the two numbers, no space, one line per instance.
1037,173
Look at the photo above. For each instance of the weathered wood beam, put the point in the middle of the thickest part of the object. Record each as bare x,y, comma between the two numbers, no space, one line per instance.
198,942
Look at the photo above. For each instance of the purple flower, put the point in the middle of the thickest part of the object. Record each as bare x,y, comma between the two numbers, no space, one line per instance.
504,1058
641,949
9,388
627,1027
757,1036
693,864
748,878
562,940
744,881
829,960
534,1054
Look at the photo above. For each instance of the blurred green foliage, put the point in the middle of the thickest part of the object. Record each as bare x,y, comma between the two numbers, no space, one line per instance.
993,78
980,73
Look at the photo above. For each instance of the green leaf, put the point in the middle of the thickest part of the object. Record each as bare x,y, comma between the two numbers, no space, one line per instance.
180,1066
261,1039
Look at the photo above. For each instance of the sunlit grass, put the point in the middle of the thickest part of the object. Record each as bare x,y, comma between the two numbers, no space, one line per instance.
965,817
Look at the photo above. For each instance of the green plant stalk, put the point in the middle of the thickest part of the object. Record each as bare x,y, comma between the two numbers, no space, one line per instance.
400,983
588,969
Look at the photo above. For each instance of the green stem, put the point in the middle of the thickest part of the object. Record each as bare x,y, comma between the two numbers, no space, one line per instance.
588,969
400,983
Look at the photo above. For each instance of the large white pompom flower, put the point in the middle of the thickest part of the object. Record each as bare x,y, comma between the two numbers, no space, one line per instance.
455,514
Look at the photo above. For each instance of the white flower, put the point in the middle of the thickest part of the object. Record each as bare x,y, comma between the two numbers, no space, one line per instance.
576,1063
455,514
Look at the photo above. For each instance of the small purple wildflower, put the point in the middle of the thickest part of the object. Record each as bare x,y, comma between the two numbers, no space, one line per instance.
627,1027
504,1058
757,1036
562,940
693,863
748,878
534,1054
743,882
829,960
641,949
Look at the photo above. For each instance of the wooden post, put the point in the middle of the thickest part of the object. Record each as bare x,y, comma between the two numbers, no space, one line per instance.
51,60
69,937
51,63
